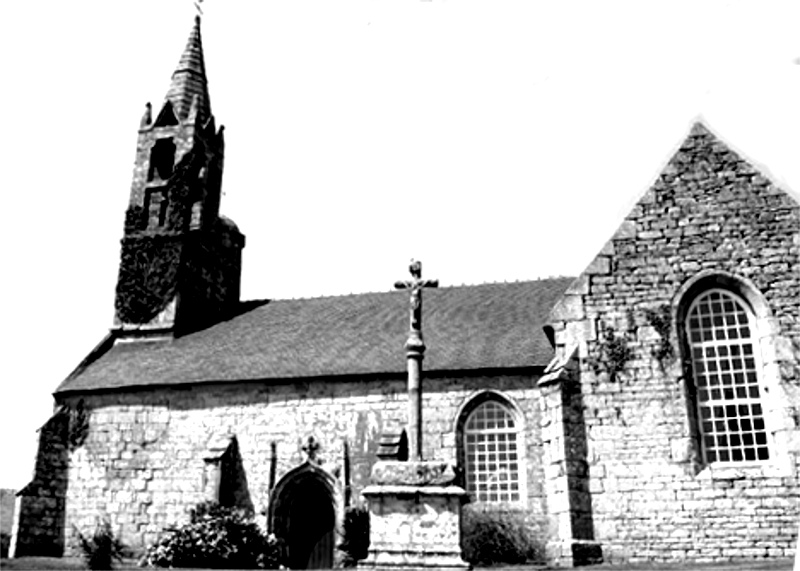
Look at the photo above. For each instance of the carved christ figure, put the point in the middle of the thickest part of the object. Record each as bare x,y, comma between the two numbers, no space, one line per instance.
415,351
415,285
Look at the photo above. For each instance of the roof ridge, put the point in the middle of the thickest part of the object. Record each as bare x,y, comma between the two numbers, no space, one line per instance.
382,292
515,281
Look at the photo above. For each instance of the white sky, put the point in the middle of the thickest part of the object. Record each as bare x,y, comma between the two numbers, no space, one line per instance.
494,140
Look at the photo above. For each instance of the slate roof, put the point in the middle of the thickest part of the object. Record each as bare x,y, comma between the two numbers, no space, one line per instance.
465,328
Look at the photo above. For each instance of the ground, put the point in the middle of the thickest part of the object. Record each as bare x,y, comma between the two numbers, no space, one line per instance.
30,563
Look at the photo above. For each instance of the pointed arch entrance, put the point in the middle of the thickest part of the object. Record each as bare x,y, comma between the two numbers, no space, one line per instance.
303,513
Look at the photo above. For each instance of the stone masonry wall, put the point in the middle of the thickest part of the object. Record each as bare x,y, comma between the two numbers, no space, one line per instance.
142,462
709,216
39,519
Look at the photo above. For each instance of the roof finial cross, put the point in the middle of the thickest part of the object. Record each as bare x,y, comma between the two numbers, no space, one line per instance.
311,447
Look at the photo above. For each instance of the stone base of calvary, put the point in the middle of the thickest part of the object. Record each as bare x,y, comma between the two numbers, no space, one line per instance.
414,506
415,517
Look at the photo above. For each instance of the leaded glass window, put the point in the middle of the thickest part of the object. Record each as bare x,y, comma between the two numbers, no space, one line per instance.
492,454
726,370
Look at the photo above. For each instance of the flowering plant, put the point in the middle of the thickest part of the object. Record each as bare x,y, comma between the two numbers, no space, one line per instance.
217,537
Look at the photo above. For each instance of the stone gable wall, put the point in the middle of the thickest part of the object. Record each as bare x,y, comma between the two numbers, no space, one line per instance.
142,462
709,214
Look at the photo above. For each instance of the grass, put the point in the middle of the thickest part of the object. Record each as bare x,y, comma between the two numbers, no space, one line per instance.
63,563
68,563
43,563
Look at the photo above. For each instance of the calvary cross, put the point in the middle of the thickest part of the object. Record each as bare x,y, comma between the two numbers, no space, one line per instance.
415,352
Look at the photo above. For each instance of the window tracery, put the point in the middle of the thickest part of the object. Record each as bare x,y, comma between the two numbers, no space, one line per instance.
722,346
492,453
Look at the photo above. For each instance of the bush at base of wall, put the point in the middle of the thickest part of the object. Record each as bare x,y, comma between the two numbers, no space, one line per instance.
5,542
102,548
219,538
491,536
356,535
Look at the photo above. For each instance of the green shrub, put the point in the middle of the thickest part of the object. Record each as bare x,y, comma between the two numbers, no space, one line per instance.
491,537
355,543
216,537
102,548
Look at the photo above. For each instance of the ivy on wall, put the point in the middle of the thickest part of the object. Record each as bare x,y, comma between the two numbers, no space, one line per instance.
661,320
153,265
181,189
161,257
613,353
135,219
148,276
78,425
151,258
612,350
209,279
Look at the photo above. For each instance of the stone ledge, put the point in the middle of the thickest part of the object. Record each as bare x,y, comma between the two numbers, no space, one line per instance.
407,490
420,474
421,566
777,468
414,560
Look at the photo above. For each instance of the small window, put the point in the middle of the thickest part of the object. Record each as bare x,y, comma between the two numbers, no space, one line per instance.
492,456
156,204
162,160
726,371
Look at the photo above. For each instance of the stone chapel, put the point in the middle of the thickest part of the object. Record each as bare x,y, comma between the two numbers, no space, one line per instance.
647,410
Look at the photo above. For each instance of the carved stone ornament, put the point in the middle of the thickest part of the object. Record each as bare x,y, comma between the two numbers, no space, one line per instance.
311,448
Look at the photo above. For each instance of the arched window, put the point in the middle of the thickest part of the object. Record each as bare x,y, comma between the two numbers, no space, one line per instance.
493,466
719,328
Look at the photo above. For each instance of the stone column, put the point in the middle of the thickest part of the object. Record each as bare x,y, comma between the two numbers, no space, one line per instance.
415,352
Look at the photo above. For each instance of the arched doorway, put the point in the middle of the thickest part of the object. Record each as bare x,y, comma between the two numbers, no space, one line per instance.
303,515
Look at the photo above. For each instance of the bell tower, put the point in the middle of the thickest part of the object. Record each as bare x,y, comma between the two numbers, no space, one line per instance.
180,265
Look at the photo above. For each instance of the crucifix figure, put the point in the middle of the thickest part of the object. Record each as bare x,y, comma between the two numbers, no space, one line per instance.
415,351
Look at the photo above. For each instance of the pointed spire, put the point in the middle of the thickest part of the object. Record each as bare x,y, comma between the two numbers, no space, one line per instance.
189,79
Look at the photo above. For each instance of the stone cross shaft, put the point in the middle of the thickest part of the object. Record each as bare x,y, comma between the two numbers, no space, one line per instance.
415,352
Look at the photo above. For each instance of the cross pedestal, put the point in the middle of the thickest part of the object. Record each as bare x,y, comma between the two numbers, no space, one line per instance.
414,517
